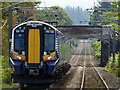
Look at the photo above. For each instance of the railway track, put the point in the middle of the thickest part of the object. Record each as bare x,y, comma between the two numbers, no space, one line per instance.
83,75
77,54
70,78
83,69
75,57
86,75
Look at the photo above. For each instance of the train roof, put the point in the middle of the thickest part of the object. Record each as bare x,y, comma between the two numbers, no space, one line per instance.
40,22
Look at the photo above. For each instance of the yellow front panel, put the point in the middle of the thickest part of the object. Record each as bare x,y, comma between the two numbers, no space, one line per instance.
34,46
37,46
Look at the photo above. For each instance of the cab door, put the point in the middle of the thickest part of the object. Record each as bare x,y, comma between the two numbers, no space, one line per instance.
35,45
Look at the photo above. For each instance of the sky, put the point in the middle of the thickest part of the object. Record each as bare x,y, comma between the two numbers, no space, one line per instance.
85,4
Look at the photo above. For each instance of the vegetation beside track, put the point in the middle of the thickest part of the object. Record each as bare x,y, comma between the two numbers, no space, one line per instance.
6,73
112,65
97,49
108,18
0,73
65,49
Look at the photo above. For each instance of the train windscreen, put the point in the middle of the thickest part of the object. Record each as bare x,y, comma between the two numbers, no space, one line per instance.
49,41
19,42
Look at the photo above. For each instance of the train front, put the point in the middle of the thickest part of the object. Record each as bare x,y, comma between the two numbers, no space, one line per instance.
33,52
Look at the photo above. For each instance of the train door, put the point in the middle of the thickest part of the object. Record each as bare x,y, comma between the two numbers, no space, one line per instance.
35,45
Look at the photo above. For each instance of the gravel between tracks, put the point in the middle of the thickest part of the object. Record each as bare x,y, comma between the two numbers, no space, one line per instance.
72,79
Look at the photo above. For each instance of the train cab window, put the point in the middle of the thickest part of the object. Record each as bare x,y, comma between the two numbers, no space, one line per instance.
19,41
49,40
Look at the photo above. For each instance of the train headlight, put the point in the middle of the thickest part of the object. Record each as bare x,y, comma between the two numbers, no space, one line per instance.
51,57
17,57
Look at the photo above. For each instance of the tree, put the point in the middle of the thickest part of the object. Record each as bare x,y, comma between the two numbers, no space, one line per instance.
97,13
55,13
25,13
5,31
17,15
77,14
112,18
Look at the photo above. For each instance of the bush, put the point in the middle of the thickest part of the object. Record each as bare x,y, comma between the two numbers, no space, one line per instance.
6,75
97,49
6,70
113,65
5,62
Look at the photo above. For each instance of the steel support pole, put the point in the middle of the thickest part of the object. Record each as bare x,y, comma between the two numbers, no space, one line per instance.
114,40
70,43
10,26
101,63
109,43
119,33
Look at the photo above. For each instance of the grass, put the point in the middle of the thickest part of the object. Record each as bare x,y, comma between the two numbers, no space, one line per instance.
77,83
0,72
86,83
8,86
5,85
90,84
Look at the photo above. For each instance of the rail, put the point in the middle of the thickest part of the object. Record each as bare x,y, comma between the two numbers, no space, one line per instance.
98,74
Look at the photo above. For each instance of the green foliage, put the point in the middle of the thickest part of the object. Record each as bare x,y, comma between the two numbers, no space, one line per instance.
26,13
109,18
106,17
65,50
5,29
113,65
5,85
95,17
12,85
97,49
16,15
0,71
6,75
75,43
6,70
77,14
55,13
5,62
5,42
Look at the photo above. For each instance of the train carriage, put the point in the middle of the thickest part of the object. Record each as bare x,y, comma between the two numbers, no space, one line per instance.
35,52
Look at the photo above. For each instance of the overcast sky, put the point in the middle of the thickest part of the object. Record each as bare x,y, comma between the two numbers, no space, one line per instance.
73,3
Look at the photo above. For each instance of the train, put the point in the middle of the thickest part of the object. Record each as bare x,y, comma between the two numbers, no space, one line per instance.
39,53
